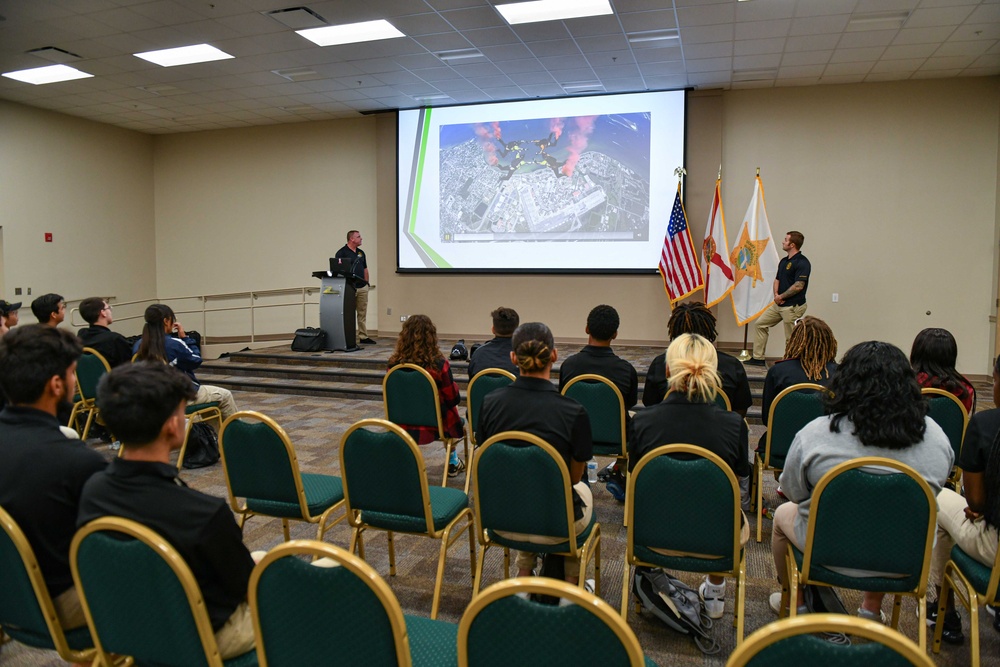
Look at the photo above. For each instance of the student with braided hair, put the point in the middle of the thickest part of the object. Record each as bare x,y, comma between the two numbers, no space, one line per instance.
809,357
534,405
694,318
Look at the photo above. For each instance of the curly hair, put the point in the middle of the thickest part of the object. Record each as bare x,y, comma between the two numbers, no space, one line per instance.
603,322
693,364
877,391
813,344
935,352
533,345
692,317
417,343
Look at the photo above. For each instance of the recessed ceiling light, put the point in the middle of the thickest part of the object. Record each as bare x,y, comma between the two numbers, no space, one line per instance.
351,33
877,21
459,54
583,87
552,10
48,74
652,36
184,55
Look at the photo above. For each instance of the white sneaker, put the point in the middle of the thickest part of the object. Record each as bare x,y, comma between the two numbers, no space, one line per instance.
588,585
714,598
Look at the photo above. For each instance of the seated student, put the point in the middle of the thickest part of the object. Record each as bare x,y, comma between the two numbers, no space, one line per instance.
50,309
694,318
8,315
873,408
143,404
41,471
533,404
933,356
971,522
418,344
689,415
111,345
164,340
496,353
598,358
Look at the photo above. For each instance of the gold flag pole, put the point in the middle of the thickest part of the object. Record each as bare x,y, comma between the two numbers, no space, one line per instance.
745,354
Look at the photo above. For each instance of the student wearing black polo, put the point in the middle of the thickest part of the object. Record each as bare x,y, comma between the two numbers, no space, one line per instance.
598,358
143,404
533,404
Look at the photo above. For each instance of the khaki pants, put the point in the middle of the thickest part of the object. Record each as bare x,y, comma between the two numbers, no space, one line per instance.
208,394
975,538
361,302
68,609
527,560
769,318
236,636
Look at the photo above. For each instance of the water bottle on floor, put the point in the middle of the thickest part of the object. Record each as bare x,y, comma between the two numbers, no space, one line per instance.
592,471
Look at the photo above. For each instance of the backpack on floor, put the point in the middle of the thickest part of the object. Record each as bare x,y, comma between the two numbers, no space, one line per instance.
309,339
202,446
676,604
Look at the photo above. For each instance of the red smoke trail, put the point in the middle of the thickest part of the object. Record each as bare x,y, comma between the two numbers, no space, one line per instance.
486,141
556,126
578,139
496,130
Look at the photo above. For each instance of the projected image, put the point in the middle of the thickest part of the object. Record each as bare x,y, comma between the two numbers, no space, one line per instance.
574,178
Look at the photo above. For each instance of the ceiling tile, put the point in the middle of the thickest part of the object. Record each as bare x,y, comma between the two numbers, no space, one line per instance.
869,54
947,62
603,43
965,48
765,61
655,20
908,51
591,26
923,35
709,33
857,40
752,47
806,58
415,25
491,36
938,16
801,71
838,69
760,11
709,50
706,14
811,43
819,25
709,64
907,65
476,17
763,29
498,54
559,47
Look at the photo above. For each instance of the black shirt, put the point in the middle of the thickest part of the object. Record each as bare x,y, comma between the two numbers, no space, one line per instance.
783,375
731,371
113,346
604,362
983,428
199,526
790,271
678,421
492,354
42,473
360,262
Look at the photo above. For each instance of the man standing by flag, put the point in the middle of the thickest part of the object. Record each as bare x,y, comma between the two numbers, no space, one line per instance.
790,286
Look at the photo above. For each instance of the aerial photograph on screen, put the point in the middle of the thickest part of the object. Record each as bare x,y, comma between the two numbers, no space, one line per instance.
575,178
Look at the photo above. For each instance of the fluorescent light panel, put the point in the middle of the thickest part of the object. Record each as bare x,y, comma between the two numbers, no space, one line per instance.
877,21
184,55
652,36
459,54
351,33
48,74
552,10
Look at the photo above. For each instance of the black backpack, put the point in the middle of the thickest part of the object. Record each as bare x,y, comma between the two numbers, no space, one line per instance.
676,604
309,339
202,446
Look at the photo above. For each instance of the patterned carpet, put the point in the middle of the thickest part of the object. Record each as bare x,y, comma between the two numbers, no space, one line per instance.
316,425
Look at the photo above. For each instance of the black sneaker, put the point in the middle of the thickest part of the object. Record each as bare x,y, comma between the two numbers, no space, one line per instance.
992,611
605,473
952,631
755,362
367,341
454,469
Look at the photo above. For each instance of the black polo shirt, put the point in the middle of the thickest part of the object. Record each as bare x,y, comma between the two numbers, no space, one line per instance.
731,372
678,421
492,354
604,362
360,262
199,526
42,473
790,271
112,345
983,428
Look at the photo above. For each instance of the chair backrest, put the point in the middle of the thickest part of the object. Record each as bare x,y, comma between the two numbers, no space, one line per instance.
881,518
410,396
522,486
481,384
89,370
302,613
383,470
792,409
722,400
950,414
140,597
587,632
792,641
26,610
604,405
259,461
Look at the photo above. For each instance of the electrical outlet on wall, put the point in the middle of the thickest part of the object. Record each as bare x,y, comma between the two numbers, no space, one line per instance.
402,318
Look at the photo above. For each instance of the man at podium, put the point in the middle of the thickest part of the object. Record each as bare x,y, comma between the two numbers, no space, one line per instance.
352,250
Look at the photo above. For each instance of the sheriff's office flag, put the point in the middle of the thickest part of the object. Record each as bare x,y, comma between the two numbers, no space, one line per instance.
754,260
678,262
715,250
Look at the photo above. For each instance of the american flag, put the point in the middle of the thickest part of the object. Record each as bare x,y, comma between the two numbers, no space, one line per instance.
678,263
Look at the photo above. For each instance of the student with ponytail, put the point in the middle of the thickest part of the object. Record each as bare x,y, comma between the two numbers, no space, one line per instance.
688,414
533,404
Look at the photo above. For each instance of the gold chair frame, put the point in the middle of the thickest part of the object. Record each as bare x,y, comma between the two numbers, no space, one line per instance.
777,631
445,534
969,597
591,548
796,578
87,404
956,472
762,464
211,413
449,443
554,587
470,413
245,513
720,392
739,571
342,558
56,631
173,560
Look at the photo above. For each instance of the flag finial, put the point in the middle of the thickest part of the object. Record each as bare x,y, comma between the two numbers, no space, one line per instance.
758,172
719,177
680,172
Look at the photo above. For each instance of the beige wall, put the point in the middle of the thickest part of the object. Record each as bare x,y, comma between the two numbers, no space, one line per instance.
91,186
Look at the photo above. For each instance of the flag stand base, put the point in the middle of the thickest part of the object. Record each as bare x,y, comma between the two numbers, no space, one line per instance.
744,355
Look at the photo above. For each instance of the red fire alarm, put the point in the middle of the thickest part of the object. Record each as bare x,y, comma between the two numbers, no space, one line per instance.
48,237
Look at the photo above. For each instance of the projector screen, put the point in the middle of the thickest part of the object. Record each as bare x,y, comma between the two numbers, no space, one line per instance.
571,184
